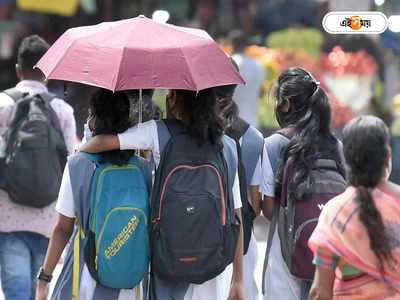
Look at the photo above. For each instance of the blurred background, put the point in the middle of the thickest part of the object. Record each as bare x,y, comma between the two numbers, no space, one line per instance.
360,72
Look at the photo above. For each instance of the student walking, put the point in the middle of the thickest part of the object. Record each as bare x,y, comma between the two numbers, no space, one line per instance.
301,163
247,96
36,149
195,199
106,196
356,244
250,143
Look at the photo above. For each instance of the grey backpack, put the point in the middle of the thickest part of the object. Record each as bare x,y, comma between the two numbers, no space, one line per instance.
35,153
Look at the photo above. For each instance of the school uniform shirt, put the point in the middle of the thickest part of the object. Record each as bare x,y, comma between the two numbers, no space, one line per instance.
17,217
251,258
279,283
145,136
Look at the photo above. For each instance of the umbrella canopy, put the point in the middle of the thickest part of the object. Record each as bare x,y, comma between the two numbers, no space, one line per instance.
139,53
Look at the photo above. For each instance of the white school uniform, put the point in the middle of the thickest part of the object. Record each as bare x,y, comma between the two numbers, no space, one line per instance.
251,258
279,283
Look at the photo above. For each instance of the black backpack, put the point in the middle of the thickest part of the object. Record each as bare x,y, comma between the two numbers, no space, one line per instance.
194,225
35,153
248,214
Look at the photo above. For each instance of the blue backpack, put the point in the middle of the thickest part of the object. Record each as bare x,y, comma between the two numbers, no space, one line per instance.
117,246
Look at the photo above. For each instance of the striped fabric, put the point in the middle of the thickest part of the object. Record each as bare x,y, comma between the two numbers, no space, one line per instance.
341,241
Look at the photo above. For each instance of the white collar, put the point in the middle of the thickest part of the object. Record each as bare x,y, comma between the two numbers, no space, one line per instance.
31,87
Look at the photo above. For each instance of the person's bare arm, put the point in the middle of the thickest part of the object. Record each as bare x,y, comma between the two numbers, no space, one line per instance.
59,238
237,288
322,287
268,206
255,198
101,143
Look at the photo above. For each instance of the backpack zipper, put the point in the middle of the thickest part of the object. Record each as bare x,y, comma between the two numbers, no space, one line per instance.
221,187
98,187
105,223
301,227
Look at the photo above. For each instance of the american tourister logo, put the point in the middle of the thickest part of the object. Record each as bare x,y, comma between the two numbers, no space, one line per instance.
355,22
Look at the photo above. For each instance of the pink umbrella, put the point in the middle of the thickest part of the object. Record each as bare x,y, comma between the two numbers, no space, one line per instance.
139,53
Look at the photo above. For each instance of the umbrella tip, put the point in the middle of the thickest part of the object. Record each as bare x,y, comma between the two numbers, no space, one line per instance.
142,16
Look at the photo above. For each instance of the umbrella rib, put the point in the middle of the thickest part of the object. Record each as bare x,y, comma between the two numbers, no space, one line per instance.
183,54
121,59
188,67
63,55
116,79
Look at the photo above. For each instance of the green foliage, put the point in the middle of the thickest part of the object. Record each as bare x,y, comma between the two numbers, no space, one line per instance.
294,39
159,99
266,111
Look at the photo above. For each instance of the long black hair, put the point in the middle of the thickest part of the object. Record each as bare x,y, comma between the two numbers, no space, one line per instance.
200,111
109,114
309,117
366,142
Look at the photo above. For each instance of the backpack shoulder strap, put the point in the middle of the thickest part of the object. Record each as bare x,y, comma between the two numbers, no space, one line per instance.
163,134
14,93
174,127
230,154
275,145
252,148
287,132
52,115
238,129
145,167
271,232
46,96
77,261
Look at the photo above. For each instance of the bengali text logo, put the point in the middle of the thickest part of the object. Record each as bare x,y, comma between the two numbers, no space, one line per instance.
355,22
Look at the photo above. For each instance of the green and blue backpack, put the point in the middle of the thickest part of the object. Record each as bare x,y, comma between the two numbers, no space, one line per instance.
116,246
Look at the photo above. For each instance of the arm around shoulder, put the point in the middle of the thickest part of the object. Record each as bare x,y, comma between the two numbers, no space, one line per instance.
101,143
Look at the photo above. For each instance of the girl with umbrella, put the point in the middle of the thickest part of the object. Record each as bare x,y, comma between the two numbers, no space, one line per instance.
197,114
